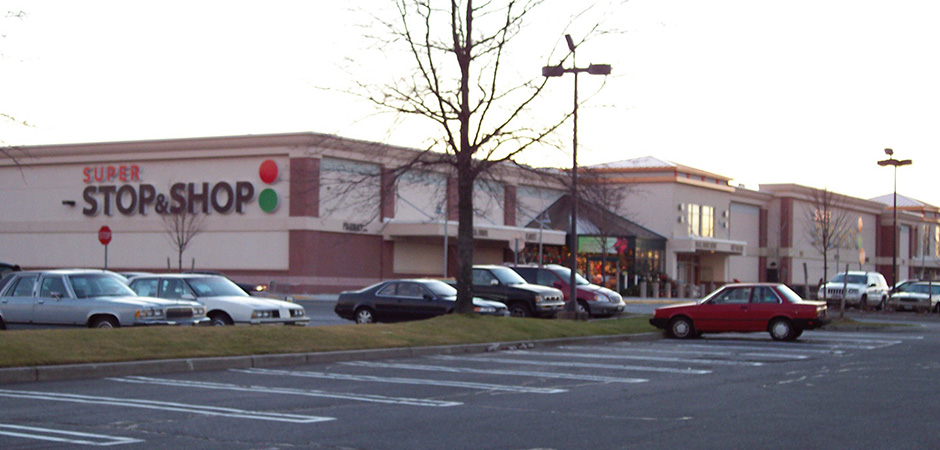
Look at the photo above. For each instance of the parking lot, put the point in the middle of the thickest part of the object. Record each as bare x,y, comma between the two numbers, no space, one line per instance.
830,389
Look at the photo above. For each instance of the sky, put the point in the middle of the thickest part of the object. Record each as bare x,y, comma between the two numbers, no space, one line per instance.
806,91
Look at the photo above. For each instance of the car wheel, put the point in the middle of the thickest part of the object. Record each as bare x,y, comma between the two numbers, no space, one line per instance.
3,326
583,307
936,308
105,322
781,330
681,328
519,310
365,315
219,319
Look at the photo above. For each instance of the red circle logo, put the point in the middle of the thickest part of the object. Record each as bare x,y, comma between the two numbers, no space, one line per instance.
268,171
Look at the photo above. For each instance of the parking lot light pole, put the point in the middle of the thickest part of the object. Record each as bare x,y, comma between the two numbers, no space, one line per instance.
557,71
894,226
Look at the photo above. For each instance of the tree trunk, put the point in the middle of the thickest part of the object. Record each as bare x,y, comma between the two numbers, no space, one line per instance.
464,236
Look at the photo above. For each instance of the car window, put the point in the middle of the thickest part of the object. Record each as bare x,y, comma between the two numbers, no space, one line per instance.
146,287
547,277
24,286
388,290
764,294
98,285
732,296
441,288
52,284
507,276
214,287
528,273
172,288
411,290
483,276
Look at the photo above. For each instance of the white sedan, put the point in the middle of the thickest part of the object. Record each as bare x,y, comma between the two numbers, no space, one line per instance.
226,303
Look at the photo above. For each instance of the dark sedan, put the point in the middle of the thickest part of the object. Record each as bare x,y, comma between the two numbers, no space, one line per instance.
396,300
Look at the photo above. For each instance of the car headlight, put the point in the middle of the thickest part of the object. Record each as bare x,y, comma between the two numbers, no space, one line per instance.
484,309
262,314
296,313
148,313
199,310
539,299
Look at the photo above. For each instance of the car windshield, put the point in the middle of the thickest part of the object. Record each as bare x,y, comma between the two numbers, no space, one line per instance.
565,274
441,288
507,276
98,285
214,287
853,279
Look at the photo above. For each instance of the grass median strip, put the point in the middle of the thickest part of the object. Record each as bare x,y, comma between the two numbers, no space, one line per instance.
24,348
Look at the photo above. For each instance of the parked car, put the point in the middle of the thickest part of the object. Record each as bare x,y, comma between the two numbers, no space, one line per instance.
408,299
861,289
921,296
226,303
595,300
744,307
502,284
88,298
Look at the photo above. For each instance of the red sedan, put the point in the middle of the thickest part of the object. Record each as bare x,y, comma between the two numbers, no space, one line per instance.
744,307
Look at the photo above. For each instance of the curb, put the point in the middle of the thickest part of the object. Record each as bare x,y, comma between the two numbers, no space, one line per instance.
184,365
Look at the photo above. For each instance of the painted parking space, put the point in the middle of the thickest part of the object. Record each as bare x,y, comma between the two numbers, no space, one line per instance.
371,390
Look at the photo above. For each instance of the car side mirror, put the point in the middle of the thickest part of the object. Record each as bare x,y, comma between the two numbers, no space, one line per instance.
494,282
190,297
873,285
557,285
428,297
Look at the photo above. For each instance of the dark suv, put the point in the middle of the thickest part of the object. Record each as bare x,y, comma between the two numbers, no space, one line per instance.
501,284
592,299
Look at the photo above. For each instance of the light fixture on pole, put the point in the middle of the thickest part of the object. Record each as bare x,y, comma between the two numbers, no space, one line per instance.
894,226
557,71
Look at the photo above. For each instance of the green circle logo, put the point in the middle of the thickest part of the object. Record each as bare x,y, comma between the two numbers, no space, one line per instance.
268,200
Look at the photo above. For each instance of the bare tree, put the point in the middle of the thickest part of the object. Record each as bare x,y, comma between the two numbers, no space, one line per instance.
180,228
830,228
460,83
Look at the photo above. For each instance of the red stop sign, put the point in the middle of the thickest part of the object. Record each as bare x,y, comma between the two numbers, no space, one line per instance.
104,235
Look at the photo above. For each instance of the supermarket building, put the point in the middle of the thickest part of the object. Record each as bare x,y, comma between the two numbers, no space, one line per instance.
316,213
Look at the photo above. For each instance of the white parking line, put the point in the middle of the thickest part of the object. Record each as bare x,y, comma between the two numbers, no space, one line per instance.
164,406
287,391
719,362
699,352
574,364
72,437
519,373
418,381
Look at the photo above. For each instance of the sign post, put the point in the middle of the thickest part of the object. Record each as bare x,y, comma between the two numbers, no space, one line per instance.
104,236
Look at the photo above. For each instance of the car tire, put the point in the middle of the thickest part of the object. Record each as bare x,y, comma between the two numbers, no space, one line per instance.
219,319
3,326
682,328
105,322
797,333
519,309
365,315
781,330
583,307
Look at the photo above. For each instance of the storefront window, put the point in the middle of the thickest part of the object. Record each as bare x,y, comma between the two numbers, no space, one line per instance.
701,220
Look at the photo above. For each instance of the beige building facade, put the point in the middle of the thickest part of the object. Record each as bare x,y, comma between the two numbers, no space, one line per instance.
314,213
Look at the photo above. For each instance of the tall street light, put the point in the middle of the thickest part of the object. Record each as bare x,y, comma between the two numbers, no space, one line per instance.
557,71
894,227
